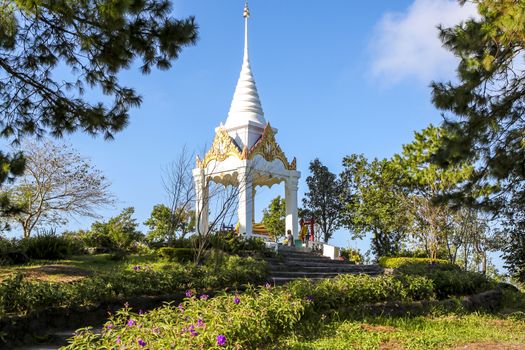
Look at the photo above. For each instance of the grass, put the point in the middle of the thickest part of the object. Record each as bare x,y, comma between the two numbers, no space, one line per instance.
79,267
474,331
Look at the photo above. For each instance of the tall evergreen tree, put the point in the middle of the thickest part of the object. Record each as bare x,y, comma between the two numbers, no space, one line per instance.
94,41
90,40
484,113
323,198
484,110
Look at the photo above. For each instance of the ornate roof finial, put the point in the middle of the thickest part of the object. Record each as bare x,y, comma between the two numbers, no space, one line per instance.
246,105
246,13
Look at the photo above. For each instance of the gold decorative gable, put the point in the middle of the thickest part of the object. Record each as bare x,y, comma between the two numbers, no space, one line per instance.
223,147
268,148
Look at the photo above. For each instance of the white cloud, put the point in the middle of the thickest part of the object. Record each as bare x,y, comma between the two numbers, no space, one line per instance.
406,45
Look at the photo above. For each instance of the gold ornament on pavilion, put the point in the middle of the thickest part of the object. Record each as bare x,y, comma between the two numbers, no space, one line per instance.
223,147
268,148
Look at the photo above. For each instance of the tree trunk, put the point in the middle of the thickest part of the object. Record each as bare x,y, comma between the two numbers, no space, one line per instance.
27,231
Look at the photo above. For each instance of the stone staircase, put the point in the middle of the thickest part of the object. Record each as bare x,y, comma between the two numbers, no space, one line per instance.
291,264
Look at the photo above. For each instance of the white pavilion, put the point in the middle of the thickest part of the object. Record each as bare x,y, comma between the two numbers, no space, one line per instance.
245,154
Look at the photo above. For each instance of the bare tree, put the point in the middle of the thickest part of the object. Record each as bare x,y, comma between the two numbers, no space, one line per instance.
221,200
58,184
177,180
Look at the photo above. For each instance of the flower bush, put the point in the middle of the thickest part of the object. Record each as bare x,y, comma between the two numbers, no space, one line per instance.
249,320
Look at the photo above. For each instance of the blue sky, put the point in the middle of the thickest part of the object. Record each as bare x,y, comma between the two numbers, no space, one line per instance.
335,77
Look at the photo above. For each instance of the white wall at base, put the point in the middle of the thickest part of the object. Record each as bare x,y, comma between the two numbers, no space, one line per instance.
330,251
271,245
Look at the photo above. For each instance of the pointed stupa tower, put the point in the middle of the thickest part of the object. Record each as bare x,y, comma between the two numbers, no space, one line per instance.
245,122
245,154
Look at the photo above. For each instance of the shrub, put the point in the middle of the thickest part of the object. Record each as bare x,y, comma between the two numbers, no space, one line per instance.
448,279
46,245
394,263
176,254
19,295
450,282
352,255
76,243
234,269
232,243
11,252
251,320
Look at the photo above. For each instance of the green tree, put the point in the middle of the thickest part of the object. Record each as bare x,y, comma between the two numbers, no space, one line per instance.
120,231
164,224
323,198
92,41
425,181
375,202
513,232
274,218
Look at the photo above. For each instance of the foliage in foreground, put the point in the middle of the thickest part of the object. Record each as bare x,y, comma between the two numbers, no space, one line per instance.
252,319
19,295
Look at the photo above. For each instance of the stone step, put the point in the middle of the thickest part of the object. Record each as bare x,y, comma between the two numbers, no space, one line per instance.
306,261
325,268
302,256
283,280
297,252
308,274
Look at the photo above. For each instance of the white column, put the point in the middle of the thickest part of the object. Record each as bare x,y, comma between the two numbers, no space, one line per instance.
245,212
201,202
292,217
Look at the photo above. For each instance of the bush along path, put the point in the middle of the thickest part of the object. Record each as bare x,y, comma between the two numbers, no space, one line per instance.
30,310
254,319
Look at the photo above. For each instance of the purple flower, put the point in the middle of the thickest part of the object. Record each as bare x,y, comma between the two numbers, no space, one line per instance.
109,326
136,268
181,308
204,297
131,323
221,340
193,333
140,312
268,285
200,323
118,340
189,294
141,342
236,300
